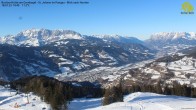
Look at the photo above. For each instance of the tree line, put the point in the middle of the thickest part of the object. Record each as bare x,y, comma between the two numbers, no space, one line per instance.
115,94
56,93
169,89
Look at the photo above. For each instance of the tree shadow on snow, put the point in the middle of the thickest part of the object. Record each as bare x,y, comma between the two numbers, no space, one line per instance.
161,98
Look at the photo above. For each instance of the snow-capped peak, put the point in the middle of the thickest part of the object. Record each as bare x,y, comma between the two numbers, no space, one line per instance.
192,34
173,35
37,37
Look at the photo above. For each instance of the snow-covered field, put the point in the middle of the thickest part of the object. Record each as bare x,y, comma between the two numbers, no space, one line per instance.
137,101
10,101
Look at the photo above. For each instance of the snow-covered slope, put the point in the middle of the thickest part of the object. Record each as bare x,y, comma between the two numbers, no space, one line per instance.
9,100
134,101
137,101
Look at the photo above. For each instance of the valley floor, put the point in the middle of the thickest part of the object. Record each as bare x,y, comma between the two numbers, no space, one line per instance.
138,101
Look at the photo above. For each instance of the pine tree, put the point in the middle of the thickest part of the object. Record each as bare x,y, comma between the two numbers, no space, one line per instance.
167,90
159,88
114,94
107,97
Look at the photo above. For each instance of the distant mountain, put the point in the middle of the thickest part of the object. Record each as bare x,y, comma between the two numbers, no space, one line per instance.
169,43
52,52
174,38
117,38
39,37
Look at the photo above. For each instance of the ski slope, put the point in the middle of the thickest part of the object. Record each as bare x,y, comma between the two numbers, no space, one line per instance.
9,100
134,101
137,101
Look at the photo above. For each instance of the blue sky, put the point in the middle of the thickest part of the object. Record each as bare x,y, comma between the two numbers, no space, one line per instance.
138,18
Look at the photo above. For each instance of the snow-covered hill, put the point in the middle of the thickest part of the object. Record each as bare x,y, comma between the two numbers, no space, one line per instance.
9,100
137,101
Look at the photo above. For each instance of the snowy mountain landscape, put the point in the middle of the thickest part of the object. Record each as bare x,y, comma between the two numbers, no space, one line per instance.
44,63
97,55
52,52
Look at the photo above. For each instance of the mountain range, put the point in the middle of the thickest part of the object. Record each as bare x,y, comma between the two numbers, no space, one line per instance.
172,38
53,52
70,56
